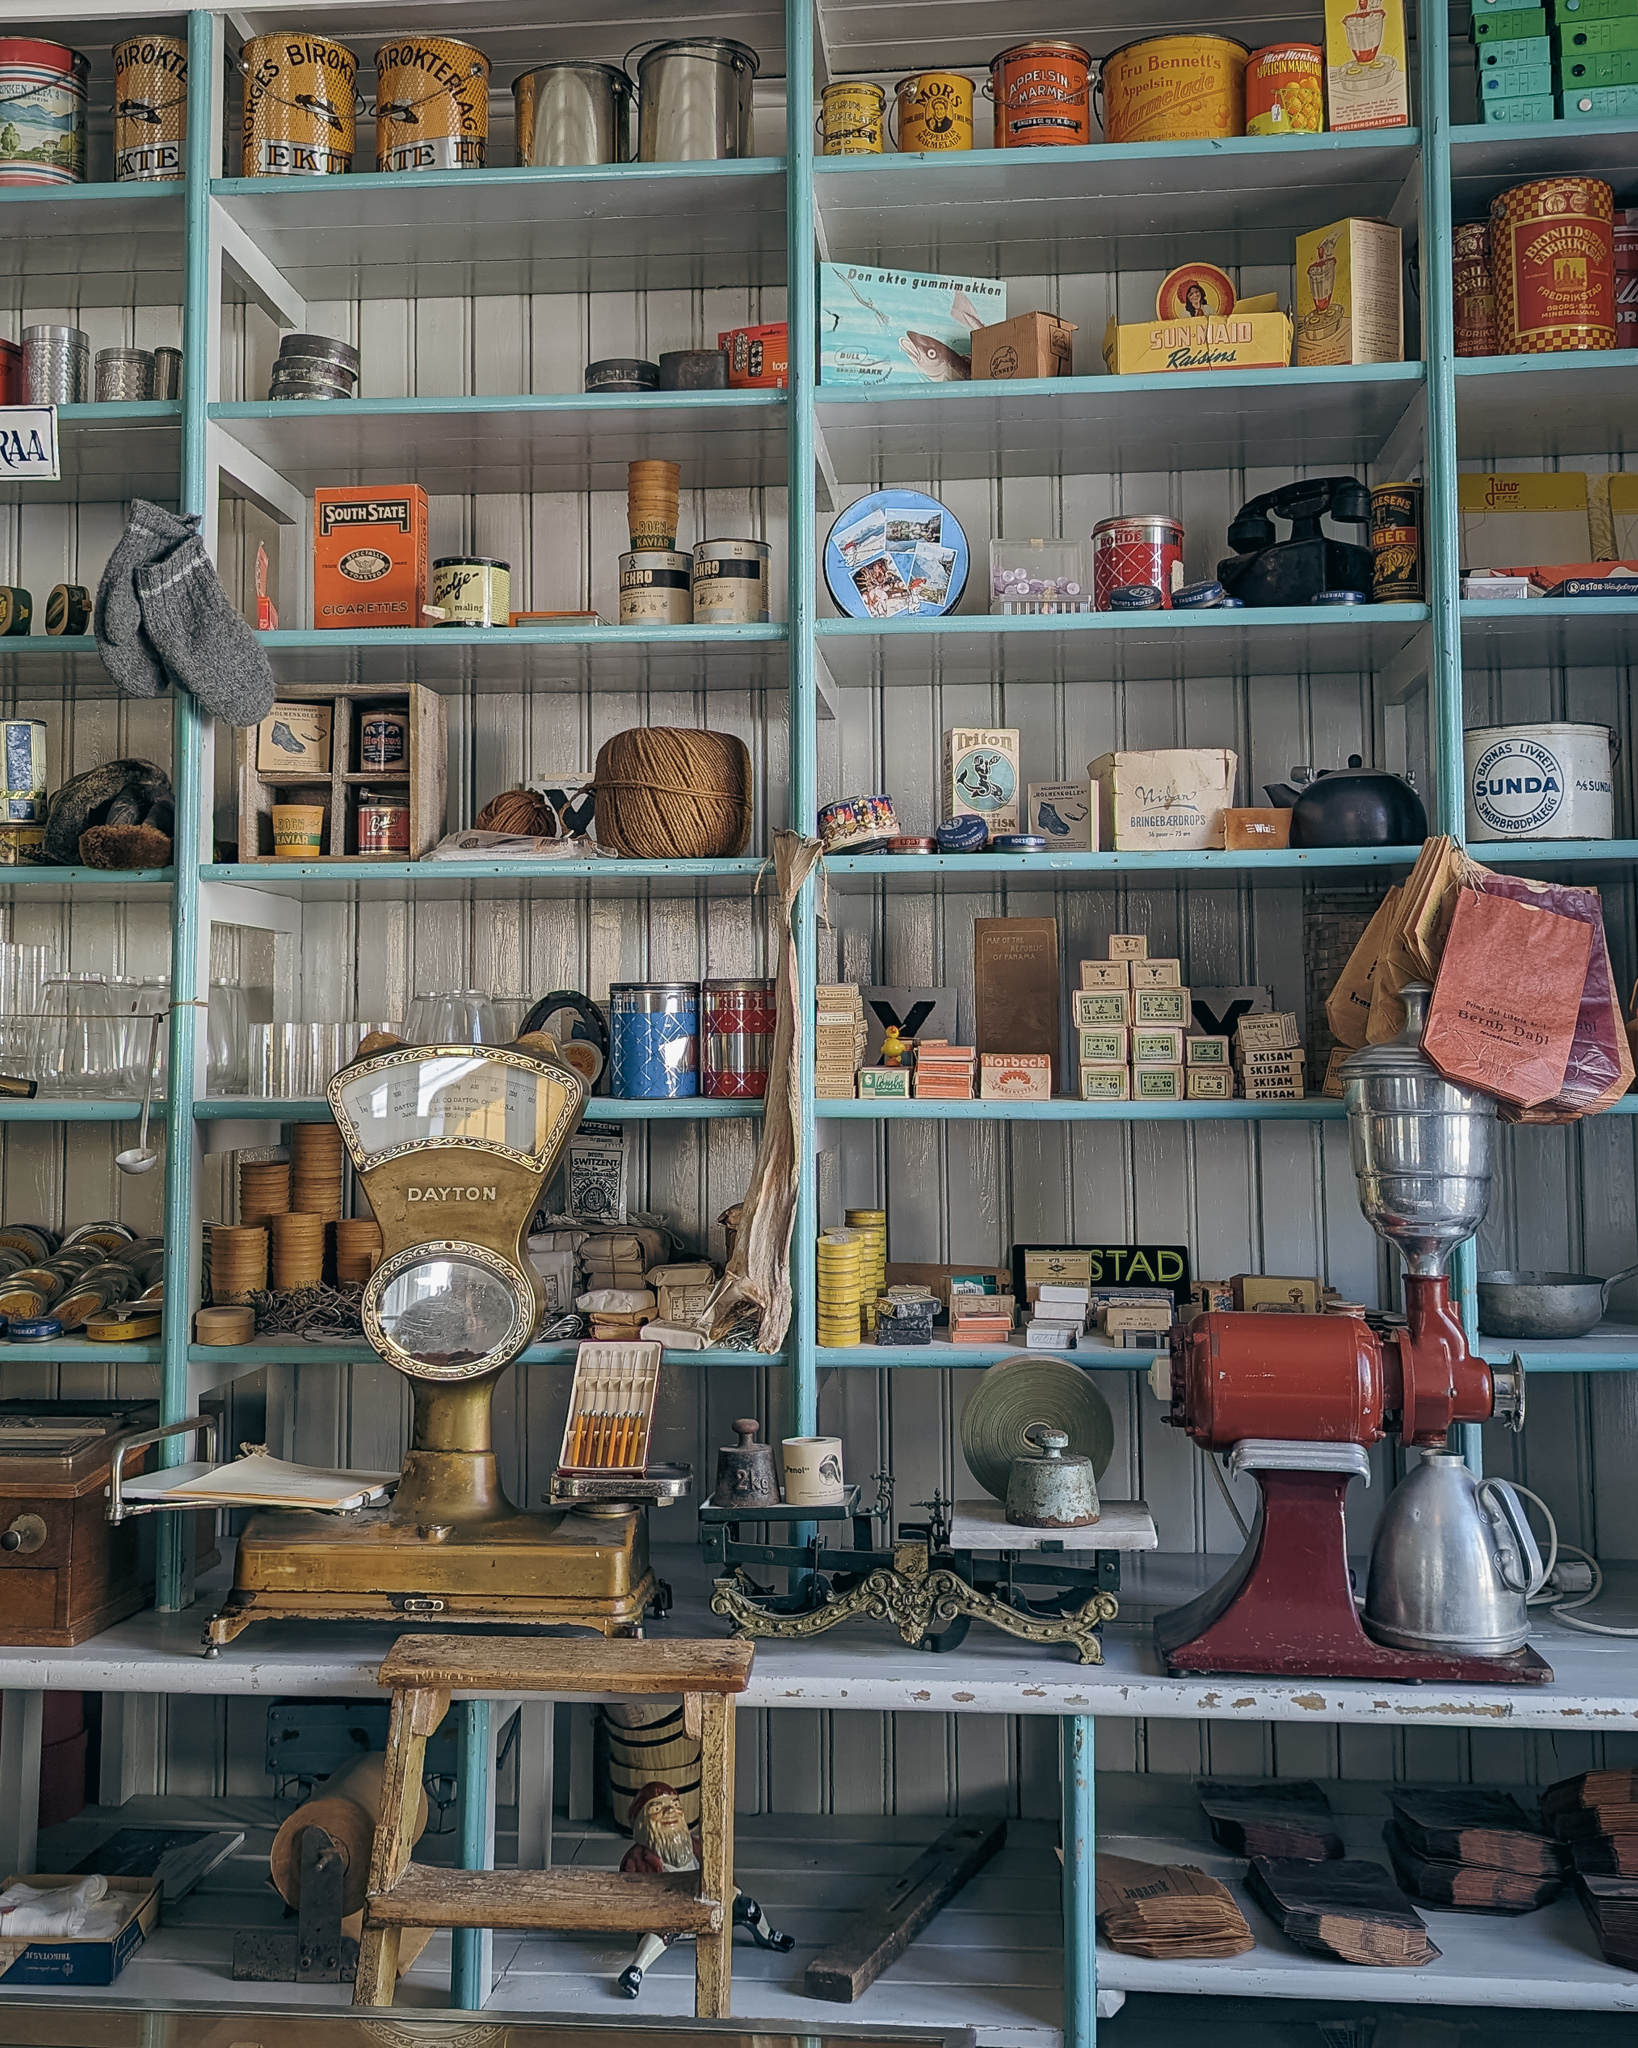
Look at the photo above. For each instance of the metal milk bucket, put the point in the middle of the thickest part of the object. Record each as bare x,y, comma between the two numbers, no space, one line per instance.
1539,782
694,100
573,113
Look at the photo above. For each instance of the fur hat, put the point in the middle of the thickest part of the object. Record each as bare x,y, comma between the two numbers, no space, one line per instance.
120,815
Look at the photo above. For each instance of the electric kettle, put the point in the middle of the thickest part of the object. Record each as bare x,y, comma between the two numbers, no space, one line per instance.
1453,1564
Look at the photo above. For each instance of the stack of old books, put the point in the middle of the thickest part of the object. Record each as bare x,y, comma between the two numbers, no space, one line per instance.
1285,1817
1348,1909
1471,1850
1167,1912
944,1072
838,1040
1595,1815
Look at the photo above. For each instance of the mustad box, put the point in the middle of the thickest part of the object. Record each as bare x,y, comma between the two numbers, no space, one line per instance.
370,556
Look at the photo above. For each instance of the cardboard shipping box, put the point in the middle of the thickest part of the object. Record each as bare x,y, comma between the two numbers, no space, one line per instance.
1172,799
1349,305
1031,345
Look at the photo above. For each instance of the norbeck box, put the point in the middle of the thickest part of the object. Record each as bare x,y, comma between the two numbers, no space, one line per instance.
901,326
1348,299
72,1959
1365,80
981,775
370,556
1239,340
1173,799
1032,345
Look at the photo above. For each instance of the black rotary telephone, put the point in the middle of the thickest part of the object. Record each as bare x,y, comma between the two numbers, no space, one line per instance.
1265,571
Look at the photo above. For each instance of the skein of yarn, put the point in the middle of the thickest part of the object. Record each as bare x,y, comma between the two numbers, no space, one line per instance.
666,793
521,811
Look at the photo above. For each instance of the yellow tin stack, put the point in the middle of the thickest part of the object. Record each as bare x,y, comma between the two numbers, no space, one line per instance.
871,1224
841,1271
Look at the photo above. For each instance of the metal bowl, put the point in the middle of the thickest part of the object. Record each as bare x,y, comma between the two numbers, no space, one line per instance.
1520,1303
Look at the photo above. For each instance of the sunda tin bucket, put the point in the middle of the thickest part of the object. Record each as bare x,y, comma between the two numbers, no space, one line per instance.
1174,89
1539,782
935,111
150,108
694,100
852,117
731,583
42,112
1042,93
301,101
573,112
431,105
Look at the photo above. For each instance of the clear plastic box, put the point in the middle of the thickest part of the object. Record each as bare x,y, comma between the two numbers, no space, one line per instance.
1029,577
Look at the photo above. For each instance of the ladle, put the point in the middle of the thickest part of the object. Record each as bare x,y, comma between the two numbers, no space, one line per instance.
141,1156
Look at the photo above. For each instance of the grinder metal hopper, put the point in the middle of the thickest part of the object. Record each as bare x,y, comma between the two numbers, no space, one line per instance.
454,1146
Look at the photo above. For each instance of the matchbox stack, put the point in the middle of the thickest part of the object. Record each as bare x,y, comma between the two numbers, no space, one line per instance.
838,1040
944,1072
1268,1057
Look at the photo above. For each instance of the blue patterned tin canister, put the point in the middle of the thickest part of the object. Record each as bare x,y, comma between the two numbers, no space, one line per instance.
23,797
654,1039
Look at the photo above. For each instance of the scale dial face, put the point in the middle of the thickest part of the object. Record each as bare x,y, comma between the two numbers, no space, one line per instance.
448,1311
477,1097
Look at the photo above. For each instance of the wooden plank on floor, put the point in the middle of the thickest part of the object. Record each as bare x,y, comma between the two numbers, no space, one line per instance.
890,1920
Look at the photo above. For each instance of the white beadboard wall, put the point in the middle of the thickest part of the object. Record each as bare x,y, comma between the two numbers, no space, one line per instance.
1279,1197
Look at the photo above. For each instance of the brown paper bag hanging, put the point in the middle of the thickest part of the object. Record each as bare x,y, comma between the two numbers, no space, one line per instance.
1348,1006
1504,1008
1414,941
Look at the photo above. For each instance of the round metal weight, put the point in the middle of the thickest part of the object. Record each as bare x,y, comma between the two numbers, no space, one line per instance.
1019,1393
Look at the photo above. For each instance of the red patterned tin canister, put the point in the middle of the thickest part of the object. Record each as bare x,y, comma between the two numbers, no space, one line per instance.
1146,547
736,1034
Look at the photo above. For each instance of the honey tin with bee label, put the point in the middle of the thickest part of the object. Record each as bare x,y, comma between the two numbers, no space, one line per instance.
301,98
1552,259
1285,90
431,105
1174,89
150,108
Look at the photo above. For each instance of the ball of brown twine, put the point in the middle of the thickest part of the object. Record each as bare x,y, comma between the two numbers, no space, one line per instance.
664,793
518,810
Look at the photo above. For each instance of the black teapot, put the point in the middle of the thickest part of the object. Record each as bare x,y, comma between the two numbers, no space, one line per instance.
1352,806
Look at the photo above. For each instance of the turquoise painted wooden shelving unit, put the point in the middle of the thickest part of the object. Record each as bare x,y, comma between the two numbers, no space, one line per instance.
285,241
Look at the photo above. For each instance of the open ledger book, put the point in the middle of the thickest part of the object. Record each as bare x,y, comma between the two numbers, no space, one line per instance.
258,1481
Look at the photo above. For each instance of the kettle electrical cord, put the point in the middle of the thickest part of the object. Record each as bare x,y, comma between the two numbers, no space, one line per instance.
1556,1604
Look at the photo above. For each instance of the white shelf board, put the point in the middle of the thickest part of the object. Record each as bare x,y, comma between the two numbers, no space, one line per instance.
1509,407
109,452
504,231
316,1109
90,245
979,647
725,440
864,1665
994,873
1611,1347
1071,426
1549,632
546,658
480,881
1142,206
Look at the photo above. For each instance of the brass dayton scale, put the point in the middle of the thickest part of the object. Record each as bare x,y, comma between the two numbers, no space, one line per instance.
454,1146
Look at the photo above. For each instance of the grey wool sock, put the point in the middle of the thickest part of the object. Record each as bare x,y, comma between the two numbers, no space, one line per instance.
201,639
127,653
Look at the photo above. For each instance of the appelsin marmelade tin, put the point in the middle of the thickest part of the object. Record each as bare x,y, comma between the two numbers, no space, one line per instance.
301,99
1175,89
1552,257
150,108
431,105
1042,94
1397,575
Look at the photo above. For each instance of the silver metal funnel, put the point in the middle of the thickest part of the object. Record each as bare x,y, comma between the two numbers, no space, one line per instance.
1421,1145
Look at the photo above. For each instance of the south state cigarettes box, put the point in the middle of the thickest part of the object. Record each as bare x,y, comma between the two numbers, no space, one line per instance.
981,775
370,564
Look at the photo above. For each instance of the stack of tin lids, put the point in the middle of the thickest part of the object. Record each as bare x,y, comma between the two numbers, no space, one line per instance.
313,366
841,1271
871,1224
57,365
124,374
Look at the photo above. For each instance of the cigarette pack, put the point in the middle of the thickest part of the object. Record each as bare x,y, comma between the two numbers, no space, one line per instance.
1015,1077
370,557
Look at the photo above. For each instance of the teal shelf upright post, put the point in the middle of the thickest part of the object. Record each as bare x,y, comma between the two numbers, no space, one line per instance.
193,806
472,1948
1441,551
1080,1902
803,353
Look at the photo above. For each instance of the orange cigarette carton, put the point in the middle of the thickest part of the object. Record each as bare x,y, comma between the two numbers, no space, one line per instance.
370,556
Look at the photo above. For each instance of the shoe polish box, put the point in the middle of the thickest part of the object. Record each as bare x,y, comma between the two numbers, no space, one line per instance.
370,556
1065,815
295,739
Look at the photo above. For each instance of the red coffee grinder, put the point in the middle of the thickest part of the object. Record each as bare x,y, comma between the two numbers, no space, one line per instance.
1295,1399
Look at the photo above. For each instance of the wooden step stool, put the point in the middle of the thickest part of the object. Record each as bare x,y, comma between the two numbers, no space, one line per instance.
423,1671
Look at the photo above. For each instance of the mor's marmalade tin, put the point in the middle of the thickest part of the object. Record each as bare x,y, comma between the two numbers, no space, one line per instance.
300,104
431,105
1552,260
42,112
150,108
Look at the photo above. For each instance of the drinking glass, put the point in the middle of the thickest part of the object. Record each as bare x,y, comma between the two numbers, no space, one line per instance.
24,972
453,1017
227,1041
81,1044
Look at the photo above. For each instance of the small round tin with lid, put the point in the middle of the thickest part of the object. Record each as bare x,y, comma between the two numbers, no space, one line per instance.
857,824
1018,842
34,1329
68,609
967,833
1197,597
1338,597
694,369
472,590
383,739
1135,597
909,843
383,824
622,373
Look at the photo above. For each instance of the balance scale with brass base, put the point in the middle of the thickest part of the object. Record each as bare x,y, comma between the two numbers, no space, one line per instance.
454,1146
